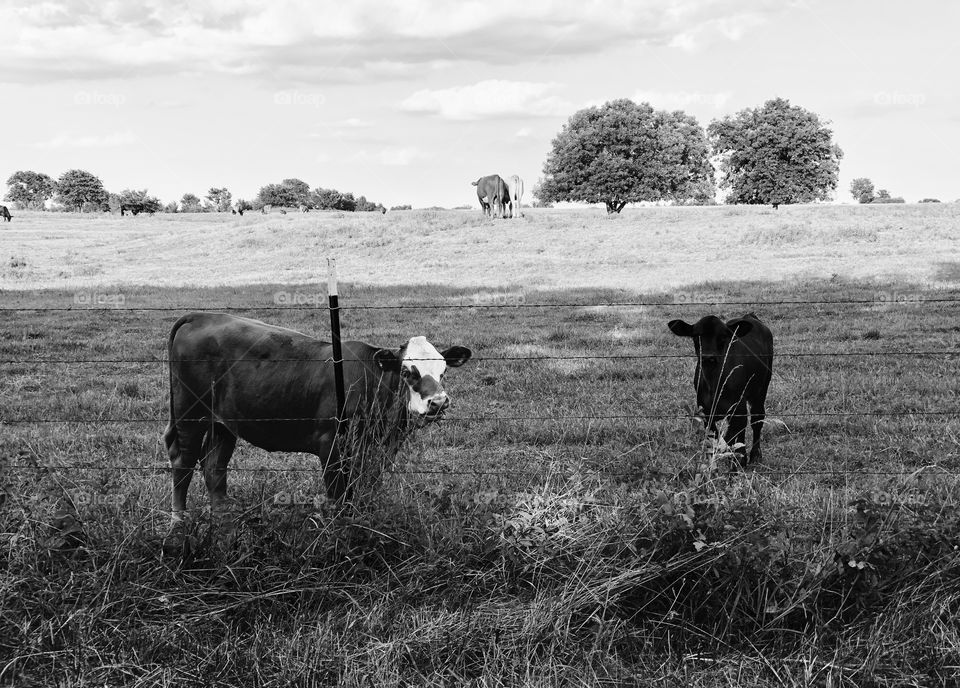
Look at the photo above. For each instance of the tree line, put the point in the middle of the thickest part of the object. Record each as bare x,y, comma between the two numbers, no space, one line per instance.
82,191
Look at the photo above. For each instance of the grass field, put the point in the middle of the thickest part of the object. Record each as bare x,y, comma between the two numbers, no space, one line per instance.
558,528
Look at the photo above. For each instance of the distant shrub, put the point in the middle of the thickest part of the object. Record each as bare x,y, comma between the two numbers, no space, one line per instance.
401,207
883,196
929,200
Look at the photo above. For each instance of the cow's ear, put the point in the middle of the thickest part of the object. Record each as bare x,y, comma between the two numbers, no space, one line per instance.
456,356
680,328
387,360
740,328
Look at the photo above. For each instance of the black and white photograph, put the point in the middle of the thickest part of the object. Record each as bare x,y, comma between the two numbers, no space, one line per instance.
493,344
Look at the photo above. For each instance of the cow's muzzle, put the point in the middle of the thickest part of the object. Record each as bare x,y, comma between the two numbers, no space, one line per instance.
436,407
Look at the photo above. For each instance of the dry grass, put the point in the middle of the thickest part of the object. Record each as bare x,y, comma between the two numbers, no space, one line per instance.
642,249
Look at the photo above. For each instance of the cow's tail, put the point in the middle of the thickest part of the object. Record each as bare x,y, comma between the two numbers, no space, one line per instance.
475,183
170,435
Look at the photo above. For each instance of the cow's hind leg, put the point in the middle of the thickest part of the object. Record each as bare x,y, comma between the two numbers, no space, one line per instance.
184,441
218,447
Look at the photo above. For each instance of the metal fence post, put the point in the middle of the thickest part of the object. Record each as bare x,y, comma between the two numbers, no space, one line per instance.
335,334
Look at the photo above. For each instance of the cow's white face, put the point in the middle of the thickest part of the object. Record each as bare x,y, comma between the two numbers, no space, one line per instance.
422,367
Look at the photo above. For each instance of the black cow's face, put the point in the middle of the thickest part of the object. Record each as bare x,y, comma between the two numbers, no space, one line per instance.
711,342
422,369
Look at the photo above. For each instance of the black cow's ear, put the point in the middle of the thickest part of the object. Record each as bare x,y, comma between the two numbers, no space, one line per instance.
740,328
456,356
680,328
387,360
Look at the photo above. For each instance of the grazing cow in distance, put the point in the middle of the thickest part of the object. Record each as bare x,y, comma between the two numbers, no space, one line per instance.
493,194
283,211
266,209
734,367
515,194
5,213
237,378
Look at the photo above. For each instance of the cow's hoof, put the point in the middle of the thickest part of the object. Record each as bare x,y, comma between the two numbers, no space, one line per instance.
178,542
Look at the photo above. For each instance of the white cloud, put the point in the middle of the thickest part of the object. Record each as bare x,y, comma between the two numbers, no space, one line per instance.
486,99
108,141
523,132
380,39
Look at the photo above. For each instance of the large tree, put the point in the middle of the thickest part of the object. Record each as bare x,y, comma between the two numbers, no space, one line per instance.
861,189
624,152
220,198
137,201
30,189
190,203
78,189
777,153
290,193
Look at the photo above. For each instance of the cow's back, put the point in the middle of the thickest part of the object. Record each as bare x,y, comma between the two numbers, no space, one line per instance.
270,385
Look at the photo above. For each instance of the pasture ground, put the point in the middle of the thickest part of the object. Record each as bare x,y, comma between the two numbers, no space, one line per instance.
559,527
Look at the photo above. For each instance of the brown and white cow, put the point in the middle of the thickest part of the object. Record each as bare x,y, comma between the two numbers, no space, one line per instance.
734,367
236,378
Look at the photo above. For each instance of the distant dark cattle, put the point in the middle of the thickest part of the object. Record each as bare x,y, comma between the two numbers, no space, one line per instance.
493,194
734,366
5,213
129,208
236,378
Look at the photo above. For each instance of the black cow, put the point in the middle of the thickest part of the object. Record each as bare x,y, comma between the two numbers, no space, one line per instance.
734,366
236,378
493,194
5,213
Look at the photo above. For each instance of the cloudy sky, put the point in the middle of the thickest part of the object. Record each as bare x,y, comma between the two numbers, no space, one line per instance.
408,102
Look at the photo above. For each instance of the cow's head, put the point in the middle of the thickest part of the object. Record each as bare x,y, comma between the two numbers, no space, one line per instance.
711,342
422,367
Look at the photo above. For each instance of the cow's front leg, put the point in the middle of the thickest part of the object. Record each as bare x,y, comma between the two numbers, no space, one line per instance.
336,472
737,431
757,416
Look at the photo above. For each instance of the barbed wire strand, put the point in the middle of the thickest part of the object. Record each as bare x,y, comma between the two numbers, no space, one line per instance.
476,359
486,419
908,300
165,468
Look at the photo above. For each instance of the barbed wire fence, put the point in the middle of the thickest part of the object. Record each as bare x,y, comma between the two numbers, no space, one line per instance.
886,301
